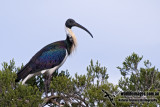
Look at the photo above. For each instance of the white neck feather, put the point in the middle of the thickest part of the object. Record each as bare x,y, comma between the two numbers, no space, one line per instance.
73,37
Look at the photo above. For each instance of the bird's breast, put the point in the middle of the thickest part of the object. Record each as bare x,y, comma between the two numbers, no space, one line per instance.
51,71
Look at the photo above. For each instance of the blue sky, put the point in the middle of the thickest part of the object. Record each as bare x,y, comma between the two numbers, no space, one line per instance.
119,27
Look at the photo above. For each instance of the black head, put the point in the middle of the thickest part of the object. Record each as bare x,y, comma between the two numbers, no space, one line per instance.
71,23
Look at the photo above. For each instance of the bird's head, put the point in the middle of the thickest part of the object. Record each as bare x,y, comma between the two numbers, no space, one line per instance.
71,23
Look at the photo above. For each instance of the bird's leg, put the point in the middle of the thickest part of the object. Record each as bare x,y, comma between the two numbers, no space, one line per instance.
49,80
46,85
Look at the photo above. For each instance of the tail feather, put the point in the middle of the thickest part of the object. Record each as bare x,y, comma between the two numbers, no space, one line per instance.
23,72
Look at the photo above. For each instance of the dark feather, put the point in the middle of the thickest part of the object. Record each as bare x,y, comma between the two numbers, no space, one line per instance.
48,57
23,72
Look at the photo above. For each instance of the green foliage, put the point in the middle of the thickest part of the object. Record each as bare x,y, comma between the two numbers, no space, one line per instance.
139,79
62,84
142,79
130,65
80,90
83,90
12,94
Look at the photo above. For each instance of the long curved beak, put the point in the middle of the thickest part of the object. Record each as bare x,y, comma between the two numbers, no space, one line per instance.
80,26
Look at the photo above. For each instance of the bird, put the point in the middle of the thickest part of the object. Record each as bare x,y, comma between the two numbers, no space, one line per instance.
52,56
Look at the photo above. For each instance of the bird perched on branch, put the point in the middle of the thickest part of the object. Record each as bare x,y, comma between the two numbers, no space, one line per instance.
52,56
